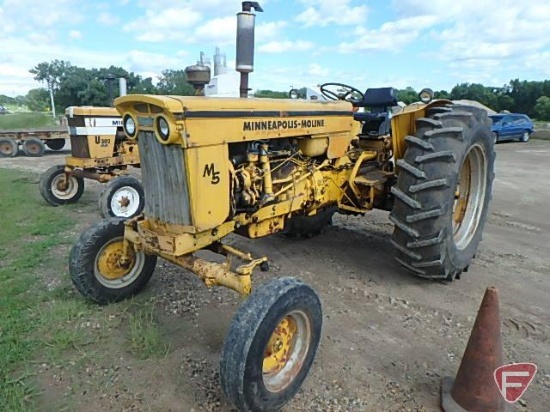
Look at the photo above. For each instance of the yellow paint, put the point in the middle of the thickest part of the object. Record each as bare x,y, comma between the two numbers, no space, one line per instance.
108,261
278,349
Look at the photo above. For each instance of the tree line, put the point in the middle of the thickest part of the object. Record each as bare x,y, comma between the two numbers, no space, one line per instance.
68,85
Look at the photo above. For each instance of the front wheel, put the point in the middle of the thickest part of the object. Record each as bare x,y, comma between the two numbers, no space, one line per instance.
122,197
525,136
443,191
96,268
271,345
58,189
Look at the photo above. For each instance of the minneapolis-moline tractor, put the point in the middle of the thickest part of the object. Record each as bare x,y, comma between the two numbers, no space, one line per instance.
99,151
256,167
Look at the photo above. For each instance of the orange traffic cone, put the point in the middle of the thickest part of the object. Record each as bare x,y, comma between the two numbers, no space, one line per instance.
474,388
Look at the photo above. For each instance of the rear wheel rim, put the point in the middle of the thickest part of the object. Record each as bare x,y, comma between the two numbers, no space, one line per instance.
6,149
469,196
125,201
33,148
286,351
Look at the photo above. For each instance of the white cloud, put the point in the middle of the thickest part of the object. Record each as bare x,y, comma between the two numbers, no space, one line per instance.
108,19
75,35
325,12
220,31
285,46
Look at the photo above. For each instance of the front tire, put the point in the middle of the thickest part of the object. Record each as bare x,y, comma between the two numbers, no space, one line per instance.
95,267
122,197
443,191
271,345
56,190
525,137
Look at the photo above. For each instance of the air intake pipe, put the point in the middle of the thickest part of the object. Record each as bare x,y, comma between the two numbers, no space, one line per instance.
245,43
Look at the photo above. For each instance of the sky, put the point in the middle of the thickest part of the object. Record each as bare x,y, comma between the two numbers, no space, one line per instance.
364,43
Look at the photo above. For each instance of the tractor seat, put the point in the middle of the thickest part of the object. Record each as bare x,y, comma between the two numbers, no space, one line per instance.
381,97
378,101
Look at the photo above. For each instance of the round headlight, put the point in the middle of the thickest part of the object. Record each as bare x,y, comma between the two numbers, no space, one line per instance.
129,125
162,128
426,95
293,94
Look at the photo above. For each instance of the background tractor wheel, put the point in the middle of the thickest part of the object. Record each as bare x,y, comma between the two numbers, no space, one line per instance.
55,144
443,191
56,191
308,226
95,268
271,345
8,148
33,147
122,197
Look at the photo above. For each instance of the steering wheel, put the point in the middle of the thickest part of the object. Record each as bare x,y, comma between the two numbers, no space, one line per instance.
345,92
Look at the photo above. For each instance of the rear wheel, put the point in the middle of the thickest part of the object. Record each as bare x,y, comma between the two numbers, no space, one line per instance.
443,191
57,190
122,197
55,144
308,226
33,147
8,148
96,268
271,345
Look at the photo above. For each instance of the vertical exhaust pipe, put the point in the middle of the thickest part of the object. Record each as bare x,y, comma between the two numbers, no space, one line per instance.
245,43
122,86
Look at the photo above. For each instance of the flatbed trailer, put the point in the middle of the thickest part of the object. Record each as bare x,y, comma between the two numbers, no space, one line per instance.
33,142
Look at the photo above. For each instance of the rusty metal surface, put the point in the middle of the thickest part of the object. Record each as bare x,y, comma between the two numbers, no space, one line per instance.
474,388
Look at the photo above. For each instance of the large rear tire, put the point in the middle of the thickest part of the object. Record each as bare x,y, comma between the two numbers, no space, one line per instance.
443,191
271,345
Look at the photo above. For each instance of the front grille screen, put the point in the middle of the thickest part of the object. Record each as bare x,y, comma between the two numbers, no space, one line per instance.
164,180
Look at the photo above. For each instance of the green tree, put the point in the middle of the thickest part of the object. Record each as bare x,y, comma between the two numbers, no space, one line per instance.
408,95
271,94
37,99
174,82
51,73
542,108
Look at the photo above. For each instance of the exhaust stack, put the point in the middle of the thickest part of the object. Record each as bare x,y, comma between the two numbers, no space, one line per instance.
245,43
122,86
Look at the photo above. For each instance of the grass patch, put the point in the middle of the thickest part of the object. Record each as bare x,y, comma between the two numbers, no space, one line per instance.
27,121
144,338
34,320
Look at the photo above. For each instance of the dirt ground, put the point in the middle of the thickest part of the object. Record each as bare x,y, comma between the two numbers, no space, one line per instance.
388,338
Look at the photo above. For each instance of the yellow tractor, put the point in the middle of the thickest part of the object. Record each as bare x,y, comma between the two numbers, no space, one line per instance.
256,167
99,151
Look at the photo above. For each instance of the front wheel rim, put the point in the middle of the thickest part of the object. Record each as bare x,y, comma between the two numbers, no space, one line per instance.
107,268
125,202
286,351
469,196
64,190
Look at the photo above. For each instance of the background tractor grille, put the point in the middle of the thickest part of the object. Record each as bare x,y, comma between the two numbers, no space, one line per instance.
164,180
79,147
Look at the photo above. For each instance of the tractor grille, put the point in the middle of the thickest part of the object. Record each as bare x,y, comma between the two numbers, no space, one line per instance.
79,146
164,180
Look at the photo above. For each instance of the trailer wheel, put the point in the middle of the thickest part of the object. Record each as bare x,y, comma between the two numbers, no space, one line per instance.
95,267
308,226
33,147
443,191
8,148
271,345
55,144
122,197
56,191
